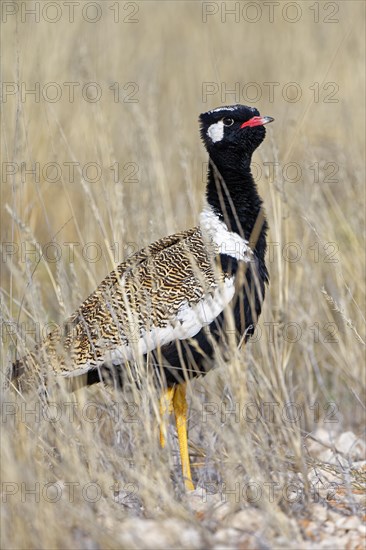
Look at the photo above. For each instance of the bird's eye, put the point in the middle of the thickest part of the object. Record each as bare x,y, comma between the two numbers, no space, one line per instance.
228,121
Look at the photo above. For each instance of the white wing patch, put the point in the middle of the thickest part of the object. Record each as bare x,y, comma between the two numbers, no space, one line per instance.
193,318
228,242
189,321
216,131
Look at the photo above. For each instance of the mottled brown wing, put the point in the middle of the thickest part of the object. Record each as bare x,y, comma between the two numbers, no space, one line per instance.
134,305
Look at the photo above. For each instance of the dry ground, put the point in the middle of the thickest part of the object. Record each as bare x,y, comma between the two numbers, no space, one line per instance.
287,467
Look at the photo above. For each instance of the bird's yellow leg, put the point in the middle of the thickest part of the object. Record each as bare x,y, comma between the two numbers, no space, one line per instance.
180,411
166,408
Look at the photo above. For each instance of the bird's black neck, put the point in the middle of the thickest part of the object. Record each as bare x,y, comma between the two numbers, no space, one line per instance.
233,195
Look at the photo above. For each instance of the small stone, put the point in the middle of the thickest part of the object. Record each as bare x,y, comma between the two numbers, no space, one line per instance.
248,519
321,479
201,501
332,457
82,540
311,530
321,436
359,465
251,541
349,444
348,523
221,511
208,506
333,516
159,535
319,513
360,497
225,536
331,543
329,527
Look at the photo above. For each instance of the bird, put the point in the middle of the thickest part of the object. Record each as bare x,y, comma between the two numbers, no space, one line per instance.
169,302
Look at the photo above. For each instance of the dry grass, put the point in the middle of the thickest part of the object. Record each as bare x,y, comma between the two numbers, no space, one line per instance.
170,53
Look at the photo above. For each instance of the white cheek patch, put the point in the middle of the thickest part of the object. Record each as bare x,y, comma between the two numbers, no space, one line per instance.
216,131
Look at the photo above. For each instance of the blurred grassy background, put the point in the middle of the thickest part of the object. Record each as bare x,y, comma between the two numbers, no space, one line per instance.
163,61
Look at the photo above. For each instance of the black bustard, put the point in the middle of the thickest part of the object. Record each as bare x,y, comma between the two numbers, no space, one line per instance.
174,295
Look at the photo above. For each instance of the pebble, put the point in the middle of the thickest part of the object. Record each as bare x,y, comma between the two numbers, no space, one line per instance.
349,444
344,447
359,465
323,436
360,498
221,511
329,528
249,519
208,506
348,523
333,516
332,457
330,543
321,479
159,535
319,513
225,536
201,502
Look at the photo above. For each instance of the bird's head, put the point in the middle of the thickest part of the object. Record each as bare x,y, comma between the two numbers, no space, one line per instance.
233,128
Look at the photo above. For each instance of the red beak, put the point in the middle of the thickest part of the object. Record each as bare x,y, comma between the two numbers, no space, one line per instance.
257,121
